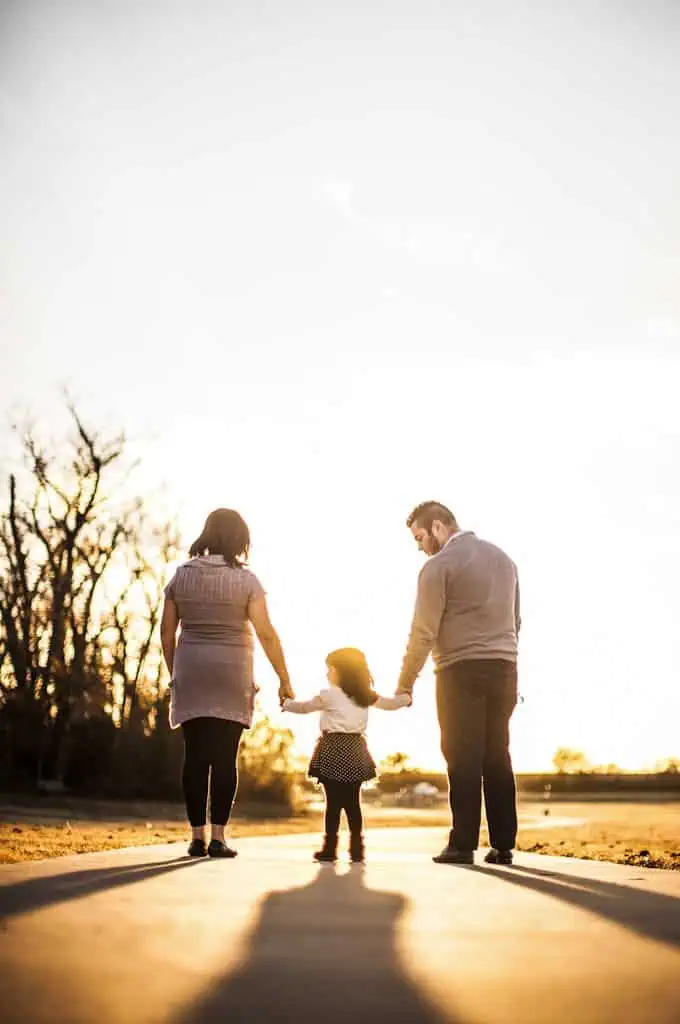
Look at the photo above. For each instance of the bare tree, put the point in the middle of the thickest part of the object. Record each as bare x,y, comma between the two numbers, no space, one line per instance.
64,543
131,631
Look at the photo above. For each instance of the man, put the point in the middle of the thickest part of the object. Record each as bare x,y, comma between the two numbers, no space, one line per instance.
467,614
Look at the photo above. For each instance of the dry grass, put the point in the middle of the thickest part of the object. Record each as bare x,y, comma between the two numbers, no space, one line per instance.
19,842
641,834
25,836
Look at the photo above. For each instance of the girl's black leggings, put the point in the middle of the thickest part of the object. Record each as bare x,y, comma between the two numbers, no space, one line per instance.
343,796
210,753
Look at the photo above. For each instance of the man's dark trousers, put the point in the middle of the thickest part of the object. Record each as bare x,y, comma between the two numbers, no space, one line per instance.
475,700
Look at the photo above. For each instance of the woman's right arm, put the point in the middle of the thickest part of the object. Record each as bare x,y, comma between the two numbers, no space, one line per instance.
258,613
169,624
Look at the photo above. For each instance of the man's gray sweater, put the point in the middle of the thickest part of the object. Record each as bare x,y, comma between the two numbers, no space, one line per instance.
467,607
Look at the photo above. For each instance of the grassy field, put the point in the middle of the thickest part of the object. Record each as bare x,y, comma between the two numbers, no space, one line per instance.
640,833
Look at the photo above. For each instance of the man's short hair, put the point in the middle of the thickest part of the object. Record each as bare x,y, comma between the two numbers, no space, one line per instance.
427,512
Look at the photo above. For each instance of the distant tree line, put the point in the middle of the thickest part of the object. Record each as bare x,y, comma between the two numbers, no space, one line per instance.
572,774
83,692
568,761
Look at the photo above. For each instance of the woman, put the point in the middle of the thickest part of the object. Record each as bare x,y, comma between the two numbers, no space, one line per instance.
215,598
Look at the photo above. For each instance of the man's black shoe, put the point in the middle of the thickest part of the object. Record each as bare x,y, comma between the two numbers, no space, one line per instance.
197,848
357,853
451,855
499,857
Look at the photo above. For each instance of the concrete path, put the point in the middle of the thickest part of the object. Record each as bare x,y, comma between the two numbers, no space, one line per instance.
147,935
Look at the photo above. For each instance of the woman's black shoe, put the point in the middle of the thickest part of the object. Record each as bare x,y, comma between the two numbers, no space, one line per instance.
499,857
197,848
219,849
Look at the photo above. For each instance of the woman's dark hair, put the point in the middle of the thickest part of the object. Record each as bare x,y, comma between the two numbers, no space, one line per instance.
354,677
225,533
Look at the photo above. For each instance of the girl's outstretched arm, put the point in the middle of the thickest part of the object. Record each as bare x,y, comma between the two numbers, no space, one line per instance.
304,707
402,700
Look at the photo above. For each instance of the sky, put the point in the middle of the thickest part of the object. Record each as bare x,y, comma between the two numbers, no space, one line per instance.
322,262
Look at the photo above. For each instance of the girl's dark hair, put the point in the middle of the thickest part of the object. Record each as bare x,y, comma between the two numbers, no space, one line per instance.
225,533
354,677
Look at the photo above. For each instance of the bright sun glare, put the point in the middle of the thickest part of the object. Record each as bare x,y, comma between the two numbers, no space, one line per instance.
322,266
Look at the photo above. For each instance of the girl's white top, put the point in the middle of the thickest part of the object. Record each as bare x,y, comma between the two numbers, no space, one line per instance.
339,713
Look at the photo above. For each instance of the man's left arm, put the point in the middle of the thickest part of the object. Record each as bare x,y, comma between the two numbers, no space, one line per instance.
518,617
427,616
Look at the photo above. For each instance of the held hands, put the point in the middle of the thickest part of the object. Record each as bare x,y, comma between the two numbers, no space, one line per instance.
286,692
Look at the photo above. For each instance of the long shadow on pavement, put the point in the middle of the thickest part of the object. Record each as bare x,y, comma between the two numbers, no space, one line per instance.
324,952
33,893
650,914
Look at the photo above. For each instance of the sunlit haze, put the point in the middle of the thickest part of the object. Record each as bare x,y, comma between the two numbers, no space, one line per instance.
322,262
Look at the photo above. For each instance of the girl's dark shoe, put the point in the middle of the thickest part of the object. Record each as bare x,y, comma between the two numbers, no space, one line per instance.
356,850
499,857
219,849
197,848
329,851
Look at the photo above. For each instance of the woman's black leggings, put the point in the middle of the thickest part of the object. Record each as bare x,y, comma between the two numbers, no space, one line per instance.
343,796
210,752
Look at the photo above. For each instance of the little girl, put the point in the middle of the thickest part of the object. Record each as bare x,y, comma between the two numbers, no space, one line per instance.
341,760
